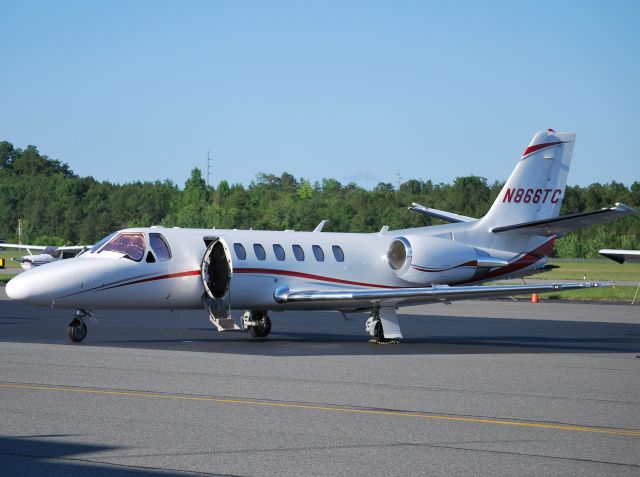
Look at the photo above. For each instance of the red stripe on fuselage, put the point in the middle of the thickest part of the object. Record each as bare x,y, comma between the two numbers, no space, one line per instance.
537,147
160,277
289,273
526,260
471,263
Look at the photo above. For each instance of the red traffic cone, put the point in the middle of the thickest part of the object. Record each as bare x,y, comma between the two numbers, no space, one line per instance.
534,298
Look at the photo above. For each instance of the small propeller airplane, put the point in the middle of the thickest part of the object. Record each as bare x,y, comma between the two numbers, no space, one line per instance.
49,253
263,271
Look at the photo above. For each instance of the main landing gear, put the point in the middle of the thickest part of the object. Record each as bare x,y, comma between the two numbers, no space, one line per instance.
77,329
257,323
383,325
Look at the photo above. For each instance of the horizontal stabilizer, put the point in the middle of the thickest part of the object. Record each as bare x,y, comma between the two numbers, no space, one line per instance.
560,226
393,297
622,256
440,214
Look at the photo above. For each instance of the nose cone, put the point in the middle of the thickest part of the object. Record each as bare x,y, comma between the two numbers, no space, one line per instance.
17,288
27,287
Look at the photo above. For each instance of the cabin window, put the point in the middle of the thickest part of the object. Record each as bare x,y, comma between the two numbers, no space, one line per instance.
318,253
278,251
259,251
160,247
131,245
150,257
298,252
241,253
338,253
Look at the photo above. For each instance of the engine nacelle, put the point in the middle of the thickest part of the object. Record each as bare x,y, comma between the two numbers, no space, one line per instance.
431,260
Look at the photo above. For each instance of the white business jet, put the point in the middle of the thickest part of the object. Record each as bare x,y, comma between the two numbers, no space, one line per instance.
262,271
49,253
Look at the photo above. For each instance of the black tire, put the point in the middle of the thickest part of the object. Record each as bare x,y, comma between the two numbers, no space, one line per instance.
77,331
262,328
379,331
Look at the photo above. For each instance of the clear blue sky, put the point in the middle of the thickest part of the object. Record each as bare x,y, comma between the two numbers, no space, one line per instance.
140,90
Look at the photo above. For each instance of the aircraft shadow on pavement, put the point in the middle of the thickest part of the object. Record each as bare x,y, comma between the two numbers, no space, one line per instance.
293,335
54,455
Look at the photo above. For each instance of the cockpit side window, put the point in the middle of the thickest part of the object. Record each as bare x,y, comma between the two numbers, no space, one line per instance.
132,245
160,247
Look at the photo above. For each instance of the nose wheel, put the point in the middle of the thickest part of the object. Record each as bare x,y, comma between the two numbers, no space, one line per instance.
77,329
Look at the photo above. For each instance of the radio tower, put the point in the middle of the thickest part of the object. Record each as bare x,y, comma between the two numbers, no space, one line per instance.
209,168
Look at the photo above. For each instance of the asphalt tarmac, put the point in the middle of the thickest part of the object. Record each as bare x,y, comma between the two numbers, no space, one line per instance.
476,388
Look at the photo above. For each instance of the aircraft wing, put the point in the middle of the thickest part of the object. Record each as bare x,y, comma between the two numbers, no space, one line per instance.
562,225
72,248
622,256
22,247
406,296
440,214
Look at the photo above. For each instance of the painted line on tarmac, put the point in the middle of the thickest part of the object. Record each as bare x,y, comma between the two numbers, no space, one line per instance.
318,407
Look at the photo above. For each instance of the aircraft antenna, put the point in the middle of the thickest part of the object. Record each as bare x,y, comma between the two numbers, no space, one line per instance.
209,168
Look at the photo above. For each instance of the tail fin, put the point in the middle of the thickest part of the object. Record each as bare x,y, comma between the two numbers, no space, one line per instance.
535,188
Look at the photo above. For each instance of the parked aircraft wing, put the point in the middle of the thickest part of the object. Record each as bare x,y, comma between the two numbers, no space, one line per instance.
72,248
422,295
440,214
22,247
622,256
562,225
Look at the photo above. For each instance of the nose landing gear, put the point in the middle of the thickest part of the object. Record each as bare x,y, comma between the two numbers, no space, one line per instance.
77,329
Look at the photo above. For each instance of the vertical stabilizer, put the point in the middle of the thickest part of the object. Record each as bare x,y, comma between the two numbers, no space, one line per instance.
535,189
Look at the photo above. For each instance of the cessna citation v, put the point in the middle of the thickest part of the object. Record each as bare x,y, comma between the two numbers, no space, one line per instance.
262,271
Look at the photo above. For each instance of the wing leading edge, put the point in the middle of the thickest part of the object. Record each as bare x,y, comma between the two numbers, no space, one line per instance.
392,297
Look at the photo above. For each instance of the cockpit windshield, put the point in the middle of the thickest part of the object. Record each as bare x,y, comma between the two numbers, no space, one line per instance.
132,245
99,244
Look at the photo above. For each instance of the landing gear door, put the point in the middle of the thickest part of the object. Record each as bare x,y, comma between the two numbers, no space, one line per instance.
216,272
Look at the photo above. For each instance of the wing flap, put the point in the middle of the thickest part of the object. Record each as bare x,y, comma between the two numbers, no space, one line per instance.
568,223
421,295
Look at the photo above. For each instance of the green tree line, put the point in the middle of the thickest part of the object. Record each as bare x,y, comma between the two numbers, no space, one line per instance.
58,207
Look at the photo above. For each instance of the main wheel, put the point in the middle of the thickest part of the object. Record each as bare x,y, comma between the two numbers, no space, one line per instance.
379,331
262,327
77,330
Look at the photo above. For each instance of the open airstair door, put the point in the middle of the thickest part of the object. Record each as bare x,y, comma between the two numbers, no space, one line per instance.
216,272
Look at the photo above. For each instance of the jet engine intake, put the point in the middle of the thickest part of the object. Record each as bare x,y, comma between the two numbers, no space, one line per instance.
399,255
431,260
